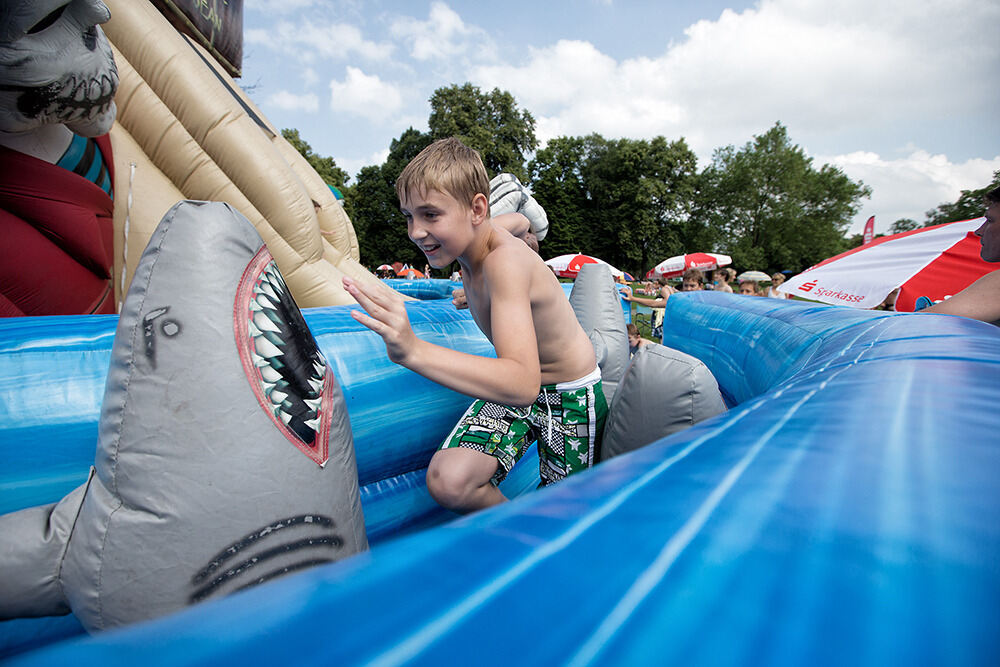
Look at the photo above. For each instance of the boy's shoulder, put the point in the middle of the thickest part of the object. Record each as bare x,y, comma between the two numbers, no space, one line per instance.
506,250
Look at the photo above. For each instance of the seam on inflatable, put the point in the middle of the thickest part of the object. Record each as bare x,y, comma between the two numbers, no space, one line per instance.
167,222
72,528
100,569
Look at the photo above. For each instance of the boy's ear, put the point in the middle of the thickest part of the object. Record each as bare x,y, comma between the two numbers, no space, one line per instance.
480,208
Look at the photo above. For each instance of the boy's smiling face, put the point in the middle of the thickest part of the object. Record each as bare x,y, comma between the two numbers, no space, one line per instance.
440,225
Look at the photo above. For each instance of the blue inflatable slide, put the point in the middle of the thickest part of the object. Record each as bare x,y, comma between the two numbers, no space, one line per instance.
844,510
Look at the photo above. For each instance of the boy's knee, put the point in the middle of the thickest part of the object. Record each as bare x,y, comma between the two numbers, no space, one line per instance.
452,486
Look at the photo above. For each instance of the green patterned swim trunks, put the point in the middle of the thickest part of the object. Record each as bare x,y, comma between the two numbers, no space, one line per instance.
566,419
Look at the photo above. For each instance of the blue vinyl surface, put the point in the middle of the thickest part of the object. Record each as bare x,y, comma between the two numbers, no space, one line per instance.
844,511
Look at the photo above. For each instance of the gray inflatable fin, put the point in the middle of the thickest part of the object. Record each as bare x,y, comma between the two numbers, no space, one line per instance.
224,458
597,305
663,391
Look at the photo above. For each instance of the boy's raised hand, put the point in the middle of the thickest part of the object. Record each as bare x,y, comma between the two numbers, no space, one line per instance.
386,316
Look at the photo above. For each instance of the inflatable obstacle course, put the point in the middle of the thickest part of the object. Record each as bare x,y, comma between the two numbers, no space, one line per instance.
849,491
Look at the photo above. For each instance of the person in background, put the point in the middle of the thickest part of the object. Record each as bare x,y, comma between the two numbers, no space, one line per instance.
657,304
776,281
659,300
749,288
981,299
721,278
635,341
693,280
889,303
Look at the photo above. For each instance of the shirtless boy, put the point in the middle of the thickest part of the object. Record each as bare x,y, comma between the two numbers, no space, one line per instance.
544,383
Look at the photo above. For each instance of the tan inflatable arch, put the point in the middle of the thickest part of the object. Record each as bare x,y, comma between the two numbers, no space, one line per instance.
185,130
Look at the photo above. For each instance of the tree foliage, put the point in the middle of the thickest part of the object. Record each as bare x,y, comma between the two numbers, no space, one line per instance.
903,225
968,206
630,202
489,122
374,208
773,209
626,201
326,167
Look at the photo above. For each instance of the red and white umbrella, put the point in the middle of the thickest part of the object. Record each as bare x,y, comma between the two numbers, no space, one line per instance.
935,262
675,267
568,266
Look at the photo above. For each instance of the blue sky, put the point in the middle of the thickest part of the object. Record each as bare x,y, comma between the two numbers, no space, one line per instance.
902,94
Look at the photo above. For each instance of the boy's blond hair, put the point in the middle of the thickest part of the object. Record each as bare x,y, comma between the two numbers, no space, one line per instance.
448,166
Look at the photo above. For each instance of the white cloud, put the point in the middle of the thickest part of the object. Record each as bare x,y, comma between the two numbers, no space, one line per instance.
310,77
443,36
311,42
283,99
890,64
365,95
889,75
279,6
353,165
910,186
573,88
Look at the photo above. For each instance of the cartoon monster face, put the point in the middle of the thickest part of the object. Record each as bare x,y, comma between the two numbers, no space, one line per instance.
56,66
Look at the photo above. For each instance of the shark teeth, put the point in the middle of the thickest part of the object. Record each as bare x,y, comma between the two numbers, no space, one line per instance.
291,382
262,320
266,348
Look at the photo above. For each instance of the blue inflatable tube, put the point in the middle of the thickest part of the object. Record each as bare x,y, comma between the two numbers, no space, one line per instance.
845,510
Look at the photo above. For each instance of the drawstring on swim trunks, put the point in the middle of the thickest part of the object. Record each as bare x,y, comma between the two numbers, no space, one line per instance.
548,407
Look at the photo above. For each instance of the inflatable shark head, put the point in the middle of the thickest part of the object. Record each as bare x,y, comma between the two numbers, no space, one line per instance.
56,66
224,457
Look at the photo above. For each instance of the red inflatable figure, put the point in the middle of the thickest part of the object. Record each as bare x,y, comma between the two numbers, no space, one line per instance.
57,86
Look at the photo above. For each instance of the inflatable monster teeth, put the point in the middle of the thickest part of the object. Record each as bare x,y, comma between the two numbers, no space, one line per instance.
224,459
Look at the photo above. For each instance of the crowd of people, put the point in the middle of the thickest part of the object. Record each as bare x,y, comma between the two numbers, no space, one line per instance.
694,279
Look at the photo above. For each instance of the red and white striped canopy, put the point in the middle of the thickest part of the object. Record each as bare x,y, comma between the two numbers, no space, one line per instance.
935,262
568,266
674,267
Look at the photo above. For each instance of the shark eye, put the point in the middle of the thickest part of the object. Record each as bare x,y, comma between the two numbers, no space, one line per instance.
50,19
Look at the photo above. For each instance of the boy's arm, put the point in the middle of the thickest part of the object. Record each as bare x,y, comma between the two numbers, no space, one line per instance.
652,303
513,378
980,300
515,223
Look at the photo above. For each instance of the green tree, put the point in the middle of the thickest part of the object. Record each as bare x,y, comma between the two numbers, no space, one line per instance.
489,122
627,201
374,208
557,183
775,209
640,192
326,167
903,225
968,206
